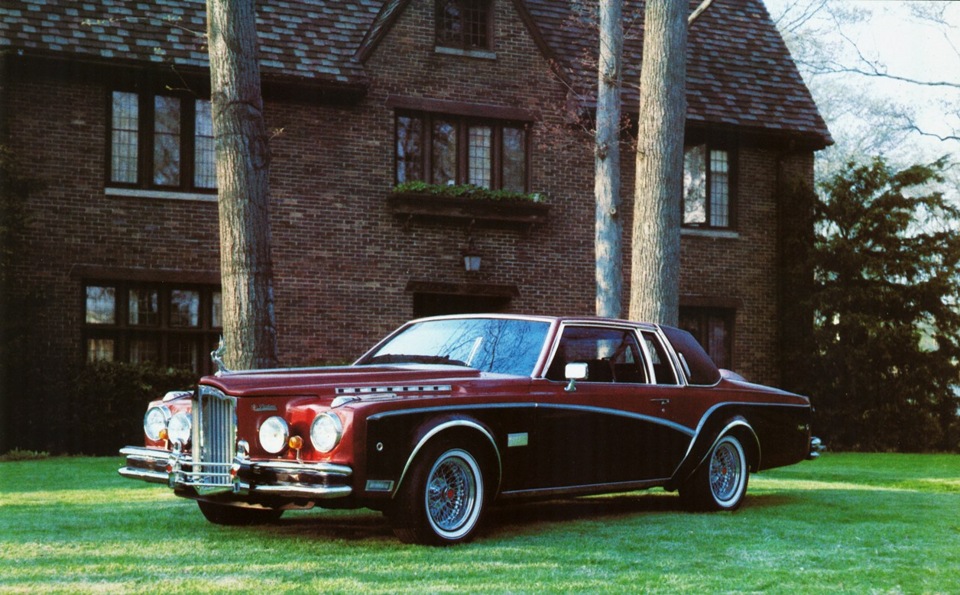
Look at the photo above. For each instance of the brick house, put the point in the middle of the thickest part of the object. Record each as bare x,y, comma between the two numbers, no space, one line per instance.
105,106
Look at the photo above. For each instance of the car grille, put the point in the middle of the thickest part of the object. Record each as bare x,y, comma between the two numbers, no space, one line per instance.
214,438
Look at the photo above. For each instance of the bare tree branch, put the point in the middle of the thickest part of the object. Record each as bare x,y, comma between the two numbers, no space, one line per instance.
699,11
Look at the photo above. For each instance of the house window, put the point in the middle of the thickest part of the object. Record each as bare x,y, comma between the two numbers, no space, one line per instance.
450,150
713,329
707,187
161,142
145,323
464,24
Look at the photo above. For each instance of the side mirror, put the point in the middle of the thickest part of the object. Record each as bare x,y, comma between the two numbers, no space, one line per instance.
573,372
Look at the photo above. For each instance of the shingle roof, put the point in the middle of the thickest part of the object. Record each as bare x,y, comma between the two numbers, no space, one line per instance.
309,39
739,70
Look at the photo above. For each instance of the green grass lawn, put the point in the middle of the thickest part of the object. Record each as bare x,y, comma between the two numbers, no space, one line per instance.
846,523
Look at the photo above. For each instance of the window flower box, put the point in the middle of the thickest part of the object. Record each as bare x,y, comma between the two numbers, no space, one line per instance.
476,207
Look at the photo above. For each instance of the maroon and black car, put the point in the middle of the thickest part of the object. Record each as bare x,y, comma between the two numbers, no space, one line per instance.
448,415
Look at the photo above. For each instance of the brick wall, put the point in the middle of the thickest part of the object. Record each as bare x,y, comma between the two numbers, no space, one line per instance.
342,260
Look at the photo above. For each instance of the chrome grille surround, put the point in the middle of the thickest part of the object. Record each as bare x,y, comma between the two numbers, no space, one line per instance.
214,443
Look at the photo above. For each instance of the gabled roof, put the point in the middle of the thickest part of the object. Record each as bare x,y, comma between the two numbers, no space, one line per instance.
740,73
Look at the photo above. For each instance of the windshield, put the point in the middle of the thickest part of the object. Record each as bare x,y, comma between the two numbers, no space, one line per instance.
502,346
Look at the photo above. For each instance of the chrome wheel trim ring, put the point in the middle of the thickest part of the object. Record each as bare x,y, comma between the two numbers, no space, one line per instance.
726,472
453,494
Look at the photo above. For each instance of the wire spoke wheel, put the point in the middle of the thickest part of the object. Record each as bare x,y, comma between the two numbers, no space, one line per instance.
720,482
443,500
726,470
451,492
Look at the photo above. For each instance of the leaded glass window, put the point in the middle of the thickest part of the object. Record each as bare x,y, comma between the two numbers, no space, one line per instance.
464,24
444,149
161,141
707,187
152,323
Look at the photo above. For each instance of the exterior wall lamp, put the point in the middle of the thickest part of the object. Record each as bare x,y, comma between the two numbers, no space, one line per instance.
471,258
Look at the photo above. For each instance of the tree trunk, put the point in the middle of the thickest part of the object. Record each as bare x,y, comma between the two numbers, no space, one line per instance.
609,225
655,271
242,151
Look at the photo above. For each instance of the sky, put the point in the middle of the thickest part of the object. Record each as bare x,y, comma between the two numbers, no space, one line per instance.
907,47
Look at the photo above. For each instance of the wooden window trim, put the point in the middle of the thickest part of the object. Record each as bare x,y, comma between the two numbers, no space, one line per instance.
145,140
463,124
123,333
441,42
732,188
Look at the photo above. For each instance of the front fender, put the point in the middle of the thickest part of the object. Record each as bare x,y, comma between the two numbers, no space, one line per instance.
395,440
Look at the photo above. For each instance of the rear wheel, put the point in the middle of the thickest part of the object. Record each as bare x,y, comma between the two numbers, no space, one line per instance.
720,483
442,501
224,514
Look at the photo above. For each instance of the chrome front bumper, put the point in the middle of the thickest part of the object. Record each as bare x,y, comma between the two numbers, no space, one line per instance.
294,480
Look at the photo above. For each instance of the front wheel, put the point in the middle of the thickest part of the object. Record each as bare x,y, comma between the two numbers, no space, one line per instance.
720,482
443,499
224,514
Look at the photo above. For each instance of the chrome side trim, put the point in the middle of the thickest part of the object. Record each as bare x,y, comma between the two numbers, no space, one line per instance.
602,410
366,390
619,413
599,488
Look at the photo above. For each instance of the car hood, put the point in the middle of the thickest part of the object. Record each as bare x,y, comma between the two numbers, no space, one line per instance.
334,381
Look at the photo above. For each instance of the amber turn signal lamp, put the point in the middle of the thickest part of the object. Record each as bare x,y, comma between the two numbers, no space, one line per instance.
295,442
163,434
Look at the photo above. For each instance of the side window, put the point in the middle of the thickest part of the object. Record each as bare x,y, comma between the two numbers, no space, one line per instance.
611,355
662,370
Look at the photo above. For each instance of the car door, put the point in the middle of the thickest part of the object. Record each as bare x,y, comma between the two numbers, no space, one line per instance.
613,426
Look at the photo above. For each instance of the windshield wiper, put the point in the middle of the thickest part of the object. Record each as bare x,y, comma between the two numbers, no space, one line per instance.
399,358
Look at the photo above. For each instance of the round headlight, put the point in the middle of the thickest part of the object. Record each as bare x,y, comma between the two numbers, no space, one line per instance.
178,428
155,420
325,432
274,433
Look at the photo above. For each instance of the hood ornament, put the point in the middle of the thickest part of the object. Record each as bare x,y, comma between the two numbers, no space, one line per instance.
216,357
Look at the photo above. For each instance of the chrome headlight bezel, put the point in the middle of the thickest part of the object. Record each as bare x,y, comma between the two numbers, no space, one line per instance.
155,420
274,433
180,428
326,432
